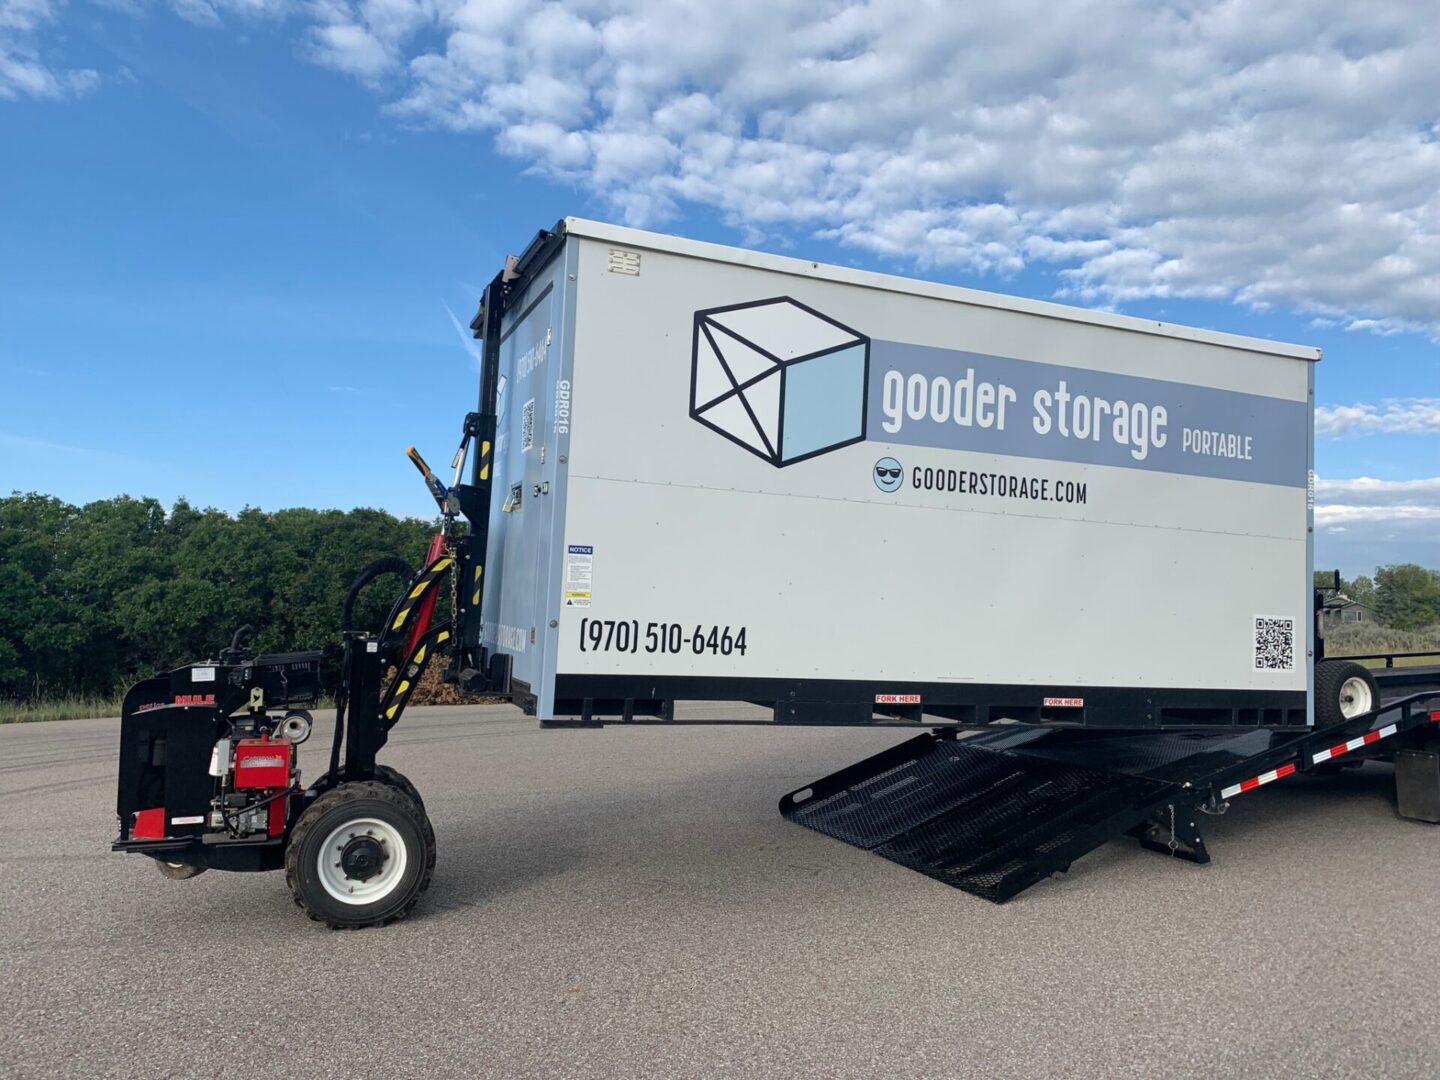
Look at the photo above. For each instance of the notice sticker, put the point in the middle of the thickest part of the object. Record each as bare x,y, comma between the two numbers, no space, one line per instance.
527,427
897,699
579,572
202,674
1064,703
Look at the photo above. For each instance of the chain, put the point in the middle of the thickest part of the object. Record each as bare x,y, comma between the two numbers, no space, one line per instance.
456,585
1174,844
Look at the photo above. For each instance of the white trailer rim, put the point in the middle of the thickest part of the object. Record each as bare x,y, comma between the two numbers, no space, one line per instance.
1355,698
350,890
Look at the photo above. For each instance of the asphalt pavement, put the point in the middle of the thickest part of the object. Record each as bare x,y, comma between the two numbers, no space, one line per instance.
627,903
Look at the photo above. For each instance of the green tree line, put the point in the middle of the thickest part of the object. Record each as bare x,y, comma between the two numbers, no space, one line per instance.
93,597
1403,596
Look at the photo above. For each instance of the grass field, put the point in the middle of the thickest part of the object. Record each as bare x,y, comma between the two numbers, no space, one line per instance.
66,708
1401,661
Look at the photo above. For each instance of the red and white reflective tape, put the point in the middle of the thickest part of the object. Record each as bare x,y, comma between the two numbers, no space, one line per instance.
1354,744
1324,755
1255,781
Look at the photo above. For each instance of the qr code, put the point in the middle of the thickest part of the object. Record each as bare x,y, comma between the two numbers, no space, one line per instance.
1274,644
527,426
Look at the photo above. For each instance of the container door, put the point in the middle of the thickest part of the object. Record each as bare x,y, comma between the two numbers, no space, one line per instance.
522,511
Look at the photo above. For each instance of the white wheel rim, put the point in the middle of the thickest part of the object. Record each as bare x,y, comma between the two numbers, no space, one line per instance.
350,890
1355,698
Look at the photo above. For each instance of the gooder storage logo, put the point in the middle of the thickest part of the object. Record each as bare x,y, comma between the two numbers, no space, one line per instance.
779,379
788,383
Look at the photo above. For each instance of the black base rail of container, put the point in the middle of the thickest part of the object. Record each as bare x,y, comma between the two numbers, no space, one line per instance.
995,813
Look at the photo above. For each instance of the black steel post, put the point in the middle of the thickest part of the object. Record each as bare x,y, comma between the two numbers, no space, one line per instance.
365,727
474,494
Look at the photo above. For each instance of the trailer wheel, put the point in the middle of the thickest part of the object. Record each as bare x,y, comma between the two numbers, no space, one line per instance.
178,871
360,855
1343,691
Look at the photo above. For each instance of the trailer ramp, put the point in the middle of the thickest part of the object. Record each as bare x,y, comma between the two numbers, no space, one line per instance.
1002,809
989,821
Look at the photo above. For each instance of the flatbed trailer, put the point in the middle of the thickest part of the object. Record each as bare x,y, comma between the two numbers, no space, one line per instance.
683,470
993,812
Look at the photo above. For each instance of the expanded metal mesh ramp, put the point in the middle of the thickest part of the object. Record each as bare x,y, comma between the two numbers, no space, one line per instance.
995,813
989,821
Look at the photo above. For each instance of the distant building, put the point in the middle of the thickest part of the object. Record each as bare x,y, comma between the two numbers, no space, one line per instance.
1341,609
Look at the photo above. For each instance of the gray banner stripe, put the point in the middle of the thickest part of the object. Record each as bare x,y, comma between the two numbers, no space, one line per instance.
953,400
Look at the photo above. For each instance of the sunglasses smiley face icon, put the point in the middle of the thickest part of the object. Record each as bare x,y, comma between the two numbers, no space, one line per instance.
888,474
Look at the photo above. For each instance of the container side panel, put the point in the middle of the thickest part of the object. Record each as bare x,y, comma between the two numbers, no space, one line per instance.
972,495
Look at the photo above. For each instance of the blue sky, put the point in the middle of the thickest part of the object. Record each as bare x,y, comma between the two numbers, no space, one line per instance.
232,234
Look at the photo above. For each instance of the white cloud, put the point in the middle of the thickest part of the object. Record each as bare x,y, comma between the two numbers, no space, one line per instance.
1365,498
1362,544
1364,523
1331,514
24,14
198,12
25,71
1277,153
1410,416
351,48
365,39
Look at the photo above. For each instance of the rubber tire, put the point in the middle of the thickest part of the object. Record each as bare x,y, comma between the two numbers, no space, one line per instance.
396,779
1330,676
331,810
179,871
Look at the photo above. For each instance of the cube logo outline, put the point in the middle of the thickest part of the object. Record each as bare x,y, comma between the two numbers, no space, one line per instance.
779,379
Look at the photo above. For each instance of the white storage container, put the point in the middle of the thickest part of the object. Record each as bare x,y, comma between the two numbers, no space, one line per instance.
728,475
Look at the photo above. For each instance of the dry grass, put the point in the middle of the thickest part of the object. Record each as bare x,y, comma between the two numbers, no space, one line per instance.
1403,661
1357,639
59,708
430,691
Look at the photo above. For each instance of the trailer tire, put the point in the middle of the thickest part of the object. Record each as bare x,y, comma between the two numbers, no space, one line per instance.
362,854
178,871
1343,691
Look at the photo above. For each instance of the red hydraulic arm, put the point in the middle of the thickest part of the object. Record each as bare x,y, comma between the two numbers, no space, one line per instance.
427,605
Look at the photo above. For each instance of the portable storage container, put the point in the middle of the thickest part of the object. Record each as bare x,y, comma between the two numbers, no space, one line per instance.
726,475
